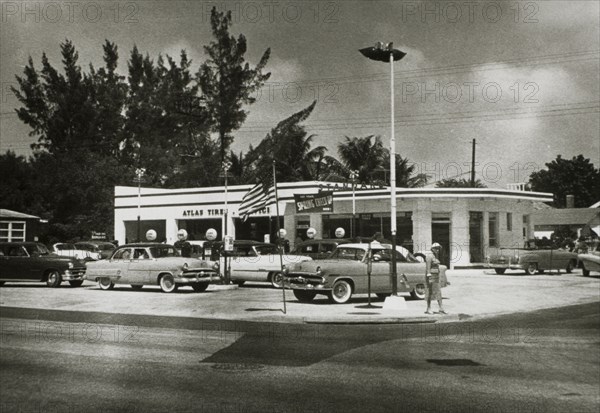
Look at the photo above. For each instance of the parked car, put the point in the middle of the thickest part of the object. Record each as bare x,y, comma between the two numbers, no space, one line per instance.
590,261
104,248
318,249
255,261
531,260
32,261
152,264
345,273
69,250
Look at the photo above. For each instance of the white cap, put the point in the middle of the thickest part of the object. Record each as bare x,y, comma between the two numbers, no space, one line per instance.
436,245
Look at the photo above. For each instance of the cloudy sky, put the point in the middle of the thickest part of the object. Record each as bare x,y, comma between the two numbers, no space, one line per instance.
520,77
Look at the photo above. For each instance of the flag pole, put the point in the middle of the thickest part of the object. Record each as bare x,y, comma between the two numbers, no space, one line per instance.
278,233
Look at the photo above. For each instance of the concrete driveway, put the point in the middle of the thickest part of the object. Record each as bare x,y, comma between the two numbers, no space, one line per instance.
473,294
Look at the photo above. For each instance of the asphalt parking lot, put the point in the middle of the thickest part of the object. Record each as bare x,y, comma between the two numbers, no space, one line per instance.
472,294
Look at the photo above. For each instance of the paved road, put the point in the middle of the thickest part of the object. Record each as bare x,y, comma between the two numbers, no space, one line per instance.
537,362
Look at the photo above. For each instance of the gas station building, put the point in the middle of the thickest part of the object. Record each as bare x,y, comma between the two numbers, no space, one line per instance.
467,222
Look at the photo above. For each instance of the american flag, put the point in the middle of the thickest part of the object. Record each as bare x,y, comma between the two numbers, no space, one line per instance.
261,195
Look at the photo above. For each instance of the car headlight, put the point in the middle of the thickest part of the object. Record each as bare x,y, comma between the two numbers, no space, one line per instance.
71,264
319,272
285,270
216,266
185,266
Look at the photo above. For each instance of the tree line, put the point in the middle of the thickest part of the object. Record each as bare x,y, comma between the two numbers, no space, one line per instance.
95,128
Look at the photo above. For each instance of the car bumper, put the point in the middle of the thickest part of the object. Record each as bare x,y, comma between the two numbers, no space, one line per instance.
506,266
306,281
74,275
199,277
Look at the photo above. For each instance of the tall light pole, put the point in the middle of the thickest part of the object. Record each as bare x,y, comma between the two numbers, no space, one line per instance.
226,166
353,175
139,172
387,53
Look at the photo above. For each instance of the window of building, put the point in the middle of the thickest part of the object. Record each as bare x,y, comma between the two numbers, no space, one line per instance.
493,229
509,222
12,231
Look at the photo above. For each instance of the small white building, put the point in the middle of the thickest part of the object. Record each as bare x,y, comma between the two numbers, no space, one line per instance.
466,221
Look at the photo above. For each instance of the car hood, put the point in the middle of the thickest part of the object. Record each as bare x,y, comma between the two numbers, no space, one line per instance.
62,258
592,256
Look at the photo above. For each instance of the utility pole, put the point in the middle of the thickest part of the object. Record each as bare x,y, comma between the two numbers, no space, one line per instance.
473,166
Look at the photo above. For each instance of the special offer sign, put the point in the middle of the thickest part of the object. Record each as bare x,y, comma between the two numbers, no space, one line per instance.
321,202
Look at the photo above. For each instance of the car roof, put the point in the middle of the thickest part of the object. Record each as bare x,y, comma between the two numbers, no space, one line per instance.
24,243
95,242
338,240
363,246
246,243
144,244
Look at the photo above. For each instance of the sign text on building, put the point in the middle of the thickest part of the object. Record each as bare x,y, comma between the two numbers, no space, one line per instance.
321,202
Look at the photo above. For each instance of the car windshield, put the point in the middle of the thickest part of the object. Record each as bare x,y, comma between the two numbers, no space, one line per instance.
63,247
266,249
37,248
161,251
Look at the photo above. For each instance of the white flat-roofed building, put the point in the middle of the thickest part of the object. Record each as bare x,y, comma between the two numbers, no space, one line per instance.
466,221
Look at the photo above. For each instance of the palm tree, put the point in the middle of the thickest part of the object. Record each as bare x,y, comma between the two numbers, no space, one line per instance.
405,177
363,155
291,147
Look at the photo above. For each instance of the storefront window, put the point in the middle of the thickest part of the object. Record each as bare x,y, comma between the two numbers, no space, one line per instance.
493,229
476,236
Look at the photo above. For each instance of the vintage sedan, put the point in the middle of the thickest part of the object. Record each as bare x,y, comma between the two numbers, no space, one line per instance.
70,250
152,264
531,260
33,262
104,248
255,261
346,272
590,261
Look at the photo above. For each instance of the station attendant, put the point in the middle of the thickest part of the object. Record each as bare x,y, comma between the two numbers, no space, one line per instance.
432,278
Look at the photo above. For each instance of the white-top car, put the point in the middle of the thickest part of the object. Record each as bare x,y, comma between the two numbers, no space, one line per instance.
70,250
256,261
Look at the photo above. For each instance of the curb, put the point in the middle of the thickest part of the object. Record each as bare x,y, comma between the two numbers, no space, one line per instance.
387,320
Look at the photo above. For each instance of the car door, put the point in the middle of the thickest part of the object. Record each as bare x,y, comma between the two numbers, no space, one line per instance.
138,270
243,263
19,264
381,270
413,272
114,268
